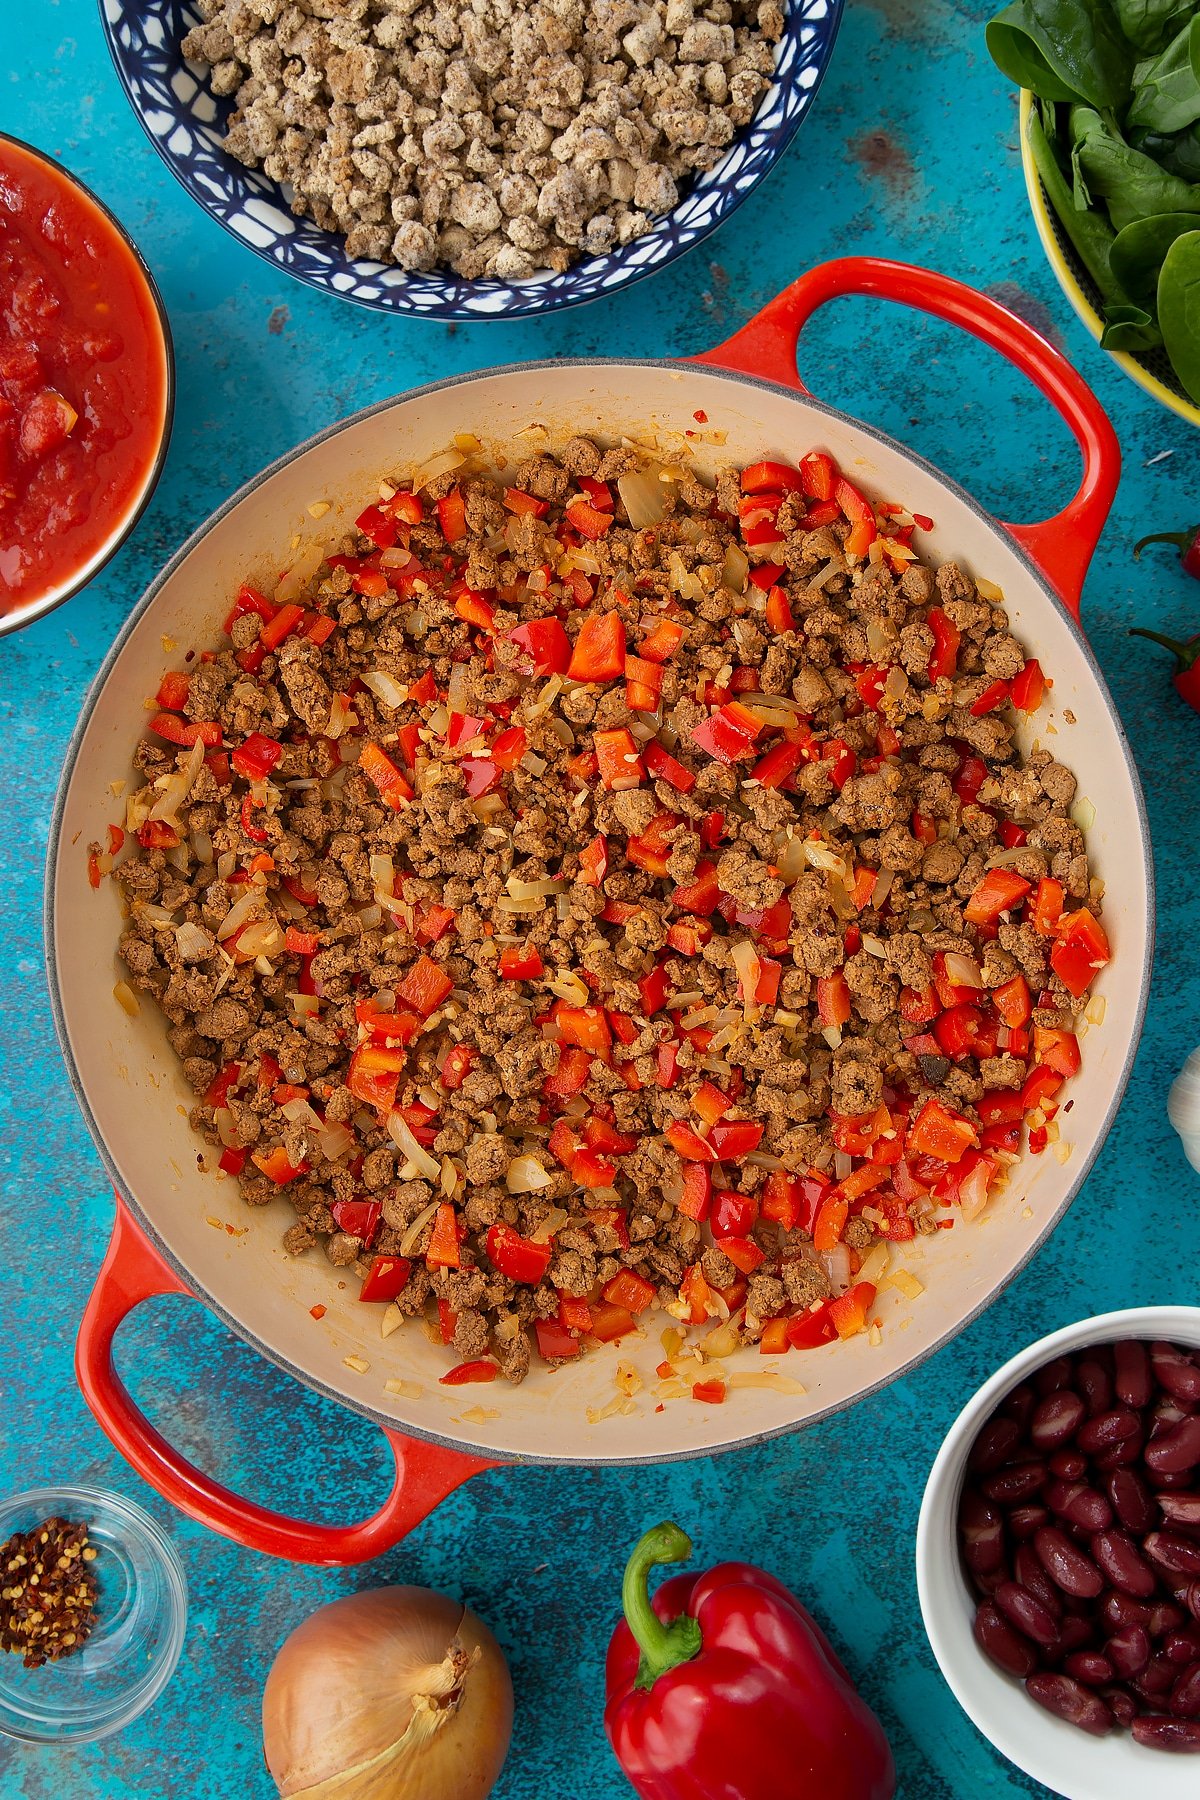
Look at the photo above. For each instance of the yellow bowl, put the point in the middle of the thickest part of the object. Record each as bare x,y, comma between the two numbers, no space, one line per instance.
1151,371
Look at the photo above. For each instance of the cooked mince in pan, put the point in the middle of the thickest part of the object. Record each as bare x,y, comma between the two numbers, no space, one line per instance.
589,890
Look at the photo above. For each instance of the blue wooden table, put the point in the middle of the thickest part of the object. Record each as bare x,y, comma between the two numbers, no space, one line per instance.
912,152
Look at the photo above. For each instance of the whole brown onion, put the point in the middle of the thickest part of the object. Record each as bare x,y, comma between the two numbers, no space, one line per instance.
397,1693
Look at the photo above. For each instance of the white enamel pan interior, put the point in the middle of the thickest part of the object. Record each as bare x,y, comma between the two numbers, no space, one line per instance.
132,1091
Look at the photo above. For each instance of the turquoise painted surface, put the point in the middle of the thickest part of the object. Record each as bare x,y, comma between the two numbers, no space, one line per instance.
911,151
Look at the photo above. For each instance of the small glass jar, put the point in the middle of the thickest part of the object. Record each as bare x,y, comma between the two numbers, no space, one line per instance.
141,1616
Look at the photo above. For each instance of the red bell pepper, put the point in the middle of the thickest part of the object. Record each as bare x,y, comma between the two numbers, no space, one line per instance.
517,964
517,1257
1186,678
664,767
544,645
1081,951
386,778
943,659
387,1277
662,643
425,986
725,1685
599,652
998,892
617,759
1029,687
861,514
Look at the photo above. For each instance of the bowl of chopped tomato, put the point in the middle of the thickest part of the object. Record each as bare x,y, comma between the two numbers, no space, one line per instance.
593,881
86,384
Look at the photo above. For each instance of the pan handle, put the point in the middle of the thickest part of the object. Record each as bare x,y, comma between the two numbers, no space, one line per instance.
1061,547
133,1271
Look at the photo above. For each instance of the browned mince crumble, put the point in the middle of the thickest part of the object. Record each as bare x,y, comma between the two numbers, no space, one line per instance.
830,1058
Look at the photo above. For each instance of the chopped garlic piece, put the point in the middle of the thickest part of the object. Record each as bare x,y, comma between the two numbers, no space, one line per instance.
359,1364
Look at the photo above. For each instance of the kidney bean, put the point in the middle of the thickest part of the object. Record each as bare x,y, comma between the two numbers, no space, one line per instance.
1088,1666
1180,1555
1023,1521
1165,1482
1105,1429
1123,1563
1056,1419
1131,1500
1095,1384
1180,1509
1053,1375
1068,1700
1159,1733
1018,1481
1066,1565
1119,1610
1019,1404
1121,1456
1023,1610
1068,1465
1129,1650
997,1639
1181,1647
1189,1596
1165,1617
995,1445
1175,1371
1157,1678
1031,1575
1185,1695
982,1532
1079,1505
1177,1449
1131,1373
1074,1633
1123,1705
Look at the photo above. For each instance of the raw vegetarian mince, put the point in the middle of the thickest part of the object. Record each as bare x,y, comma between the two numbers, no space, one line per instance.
493,136
592,889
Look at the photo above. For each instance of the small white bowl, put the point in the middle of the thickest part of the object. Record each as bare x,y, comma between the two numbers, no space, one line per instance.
1075,1765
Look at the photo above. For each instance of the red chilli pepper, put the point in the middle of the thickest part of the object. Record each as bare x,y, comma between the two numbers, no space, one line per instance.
1186,542
725,1684
1186,679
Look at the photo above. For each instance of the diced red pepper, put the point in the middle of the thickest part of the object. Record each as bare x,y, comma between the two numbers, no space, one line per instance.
630,1290
617,759
452,515
861,514
457,1067
994,695
185,732
374,1074
544,644
958,1030
443,1249
666,1065
818,474
586,1026
970,778
510,747
700,895
525,505
777,477
280,625
1013,1003
425,986
689,1144
743,1253
842,758
301,943
386,778
358,1218
712,1393
813,1327
779,611
1047,906
406,506
1040,1086
650,849
663,641
664,767
729,733
943,658
256,757
599,652
833,999
434,923
653,990
998,892
793,1200
574,1066
554,1342
919,1006
1081,950
381,528
951,993
515,1257
696,1199
848,1313
735,1138
590,522
780,762
689,940
254,832
936,1131
574,1313
1029,687
1058,1050
593,862
468,1372
276,1166
870,684
173,690
593,1171
831,1221
232,1161
521,963
474,608
732,1215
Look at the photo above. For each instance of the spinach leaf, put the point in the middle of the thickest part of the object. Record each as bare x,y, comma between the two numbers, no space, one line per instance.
1138,251
1134,186
1145,22
1129,328
1063,50
1180,154
1179,309
1166,94
1088,232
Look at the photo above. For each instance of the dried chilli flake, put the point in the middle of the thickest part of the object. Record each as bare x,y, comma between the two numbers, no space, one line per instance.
47,1592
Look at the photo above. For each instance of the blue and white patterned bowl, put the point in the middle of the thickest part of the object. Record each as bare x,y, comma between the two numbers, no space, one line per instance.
186,124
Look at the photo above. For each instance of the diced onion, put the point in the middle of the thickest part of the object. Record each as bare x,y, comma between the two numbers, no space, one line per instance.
836,1263
262,938
533,764
526,1175
193,942
766,1378
874,1264
441,464
987,590
296,579
643,497
834,567
126,999
370,916
1097,1006
383,874
745,961
883,887
841,1164
872,945
226,864
416,1153
962,970
158,916
178,786
1083,813
568,986
305,1006
906,1282
820,856
553,1222
408,1241
736,569
535,890
723,1340
239,914
299,1112
202,845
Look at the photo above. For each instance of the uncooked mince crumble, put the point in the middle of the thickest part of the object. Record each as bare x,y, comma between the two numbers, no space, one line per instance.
593,888
493,136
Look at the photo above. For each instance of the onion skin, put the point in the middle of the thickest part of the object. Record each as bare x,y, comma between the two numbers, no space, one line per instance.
343,1693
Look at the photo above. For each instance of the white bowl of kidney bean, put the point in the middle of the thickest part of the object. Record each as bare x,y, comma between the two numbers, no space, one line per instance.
1058,1556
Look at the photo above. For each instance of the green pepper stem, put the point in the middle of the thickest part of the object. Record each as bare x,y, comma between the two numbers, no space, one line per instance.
1180,539
663,1646
1186,655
